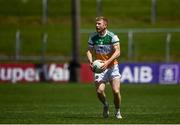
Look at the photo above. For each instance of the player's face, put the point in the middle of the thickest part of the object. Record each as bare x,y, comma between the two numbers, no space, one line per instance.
100,26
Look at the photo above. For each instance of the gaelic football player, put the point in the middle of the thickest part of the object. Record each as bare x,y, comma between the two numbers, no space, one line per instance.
104,45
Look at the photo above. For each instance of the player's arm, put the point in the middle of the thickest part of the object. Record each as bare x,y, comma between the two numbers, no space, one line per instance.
90,51
89,54
115,55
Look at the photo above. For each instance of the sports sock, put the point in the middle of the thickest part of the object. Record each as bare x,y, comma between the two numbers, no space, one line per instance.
106,103
117,109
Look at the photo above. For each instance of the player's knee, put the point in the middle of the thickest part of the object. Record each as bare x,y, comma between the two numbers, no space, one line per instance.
99,91
116,91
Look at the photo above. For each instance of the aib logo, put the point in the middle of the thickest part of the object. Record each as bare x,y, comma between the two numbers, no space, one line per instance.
168,74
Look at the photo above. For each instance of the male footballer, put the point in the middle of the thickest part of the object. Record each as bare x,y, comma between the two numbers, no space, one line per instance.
104,45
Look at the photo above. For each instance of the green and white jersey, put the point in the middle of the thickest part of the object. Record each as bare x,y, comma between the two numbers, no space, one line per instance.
103,45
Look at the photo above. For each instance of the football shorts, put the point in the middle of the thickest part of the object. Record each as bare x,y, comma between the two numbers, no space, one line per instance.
107,75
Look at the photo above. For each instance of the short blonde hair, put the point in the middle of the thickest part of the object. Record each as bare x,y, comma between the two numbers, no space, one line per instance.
102,18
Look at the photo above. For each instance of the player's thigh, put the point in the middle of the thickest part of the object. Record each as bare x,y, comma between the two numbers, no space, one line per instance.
115,84
100,87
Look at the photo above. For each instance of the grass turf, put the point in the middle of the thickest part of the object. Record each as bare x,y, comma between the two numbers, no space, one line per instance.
77,103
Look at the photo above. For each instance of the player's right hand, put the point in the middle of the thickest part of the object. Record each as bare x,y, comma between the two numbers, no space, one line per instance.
91,66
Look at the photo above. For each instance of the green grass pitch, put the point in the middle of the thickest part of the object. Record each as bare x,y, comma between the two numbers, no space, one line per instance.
77,103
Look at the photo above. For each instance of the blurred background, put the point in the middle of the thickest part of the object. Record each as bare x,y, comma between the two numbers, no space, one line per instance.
45,41
32,30
56,31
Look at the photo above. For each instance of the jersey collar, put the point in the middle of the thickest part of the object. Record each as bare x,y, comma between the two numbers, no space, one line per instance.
104,34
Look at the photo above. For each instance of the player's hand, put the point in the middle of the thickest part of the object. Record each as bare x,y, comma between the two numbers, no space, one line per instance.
91,66
105,65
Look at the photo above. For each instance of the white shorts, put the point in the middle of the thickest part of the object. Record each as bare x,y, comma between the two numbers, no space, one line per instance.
107,75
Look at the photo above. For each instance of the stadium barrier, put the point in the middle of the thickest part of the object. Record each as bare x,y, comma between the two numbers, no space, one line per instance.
131,52
131,34
153,73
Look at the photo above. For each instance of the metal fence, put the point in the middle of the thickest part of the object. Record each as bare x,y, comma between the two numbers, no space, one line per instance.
45,11
129,33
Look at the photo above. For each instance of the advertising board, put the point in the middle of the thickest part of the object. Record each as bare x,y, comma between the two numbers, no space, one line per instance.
153,73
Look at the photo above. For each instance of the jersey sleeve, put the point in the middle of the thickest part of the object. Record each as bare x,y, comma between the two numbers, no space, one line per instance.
115,39
90,43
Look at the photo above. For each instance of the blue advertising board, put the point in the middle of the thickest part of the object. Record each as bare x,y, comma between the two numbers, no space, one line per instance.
163,73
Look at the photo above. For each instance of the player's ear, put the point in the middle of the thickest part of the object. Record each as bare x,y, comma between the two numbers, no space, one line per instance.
105,24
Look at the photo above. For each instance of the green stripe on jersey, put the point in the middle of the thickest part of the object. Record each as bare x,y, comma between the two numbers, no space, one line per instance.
106,40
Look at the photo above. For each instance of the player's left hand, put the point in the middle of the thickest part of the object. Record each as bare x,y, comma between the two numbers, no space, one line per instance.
105,65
